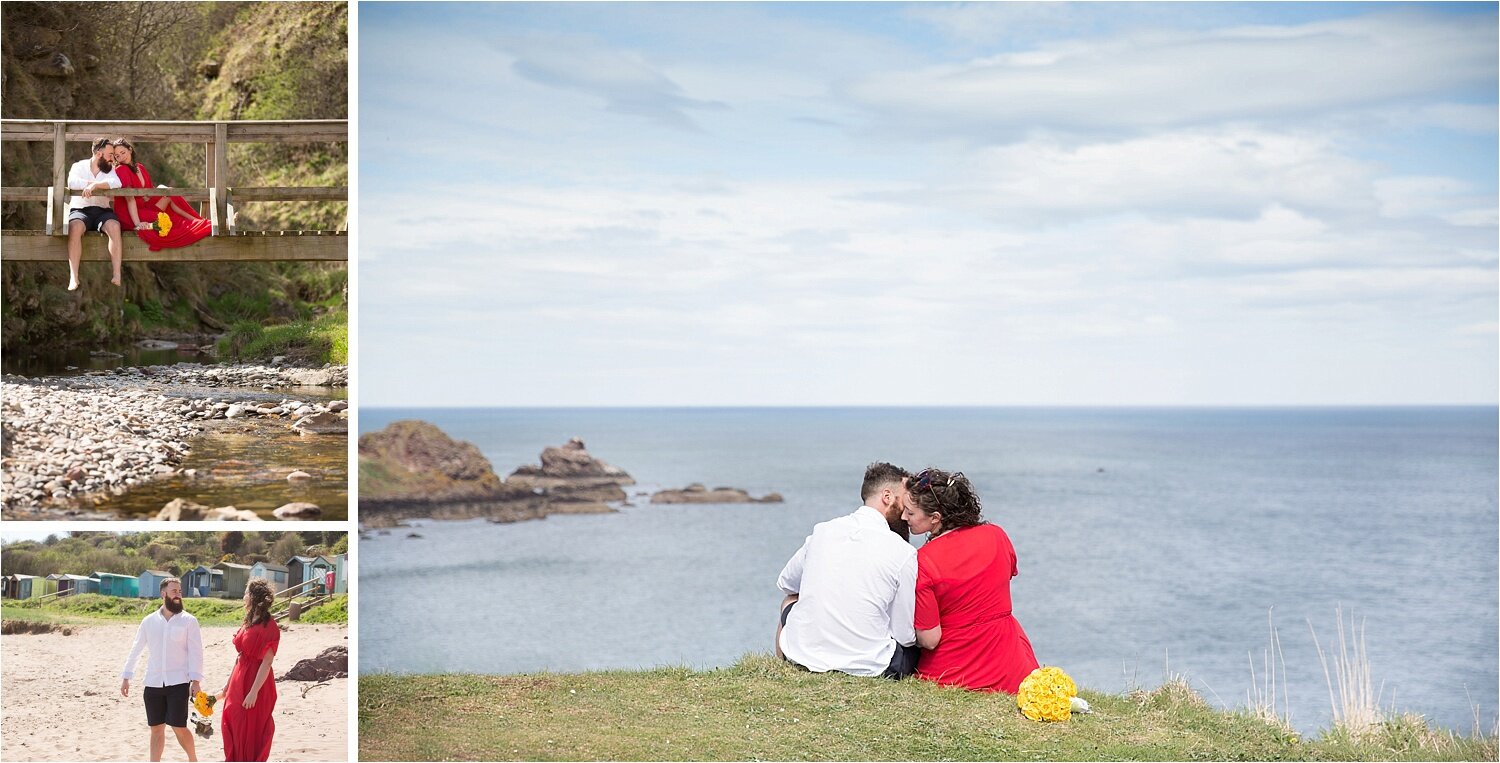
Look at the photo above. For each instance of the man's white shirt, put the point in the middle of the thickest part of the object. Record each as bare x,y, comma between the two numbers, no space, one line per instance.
175,649
82,175
857,583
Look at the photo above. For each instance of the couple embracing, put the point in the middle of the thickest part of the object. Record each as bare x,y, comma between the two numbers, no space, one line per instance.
861,600
161,221
174,671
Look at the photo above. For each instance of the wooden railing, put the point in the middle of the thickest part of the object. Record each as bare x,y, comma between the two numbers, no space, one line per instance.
217,188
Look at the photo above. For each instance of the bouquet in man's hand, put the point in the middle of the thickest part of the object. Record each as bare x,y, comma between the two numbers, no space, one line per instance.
203,711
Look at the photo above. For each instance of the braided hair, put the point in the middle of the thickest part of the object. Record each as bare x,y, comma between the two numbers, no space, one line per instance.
949,494
258,595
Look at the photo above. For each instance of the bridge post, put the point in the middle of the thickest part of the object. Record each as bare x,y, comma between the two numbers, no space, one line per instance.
221,176
58,211
208,177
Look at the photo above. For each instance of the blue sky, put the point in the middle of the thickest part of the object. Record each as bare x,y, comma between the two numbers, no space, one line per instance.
928,204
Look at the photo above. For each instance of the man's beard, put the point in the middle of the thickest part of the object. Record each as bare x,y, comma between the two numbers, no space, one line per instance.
898,526
174,605
105,166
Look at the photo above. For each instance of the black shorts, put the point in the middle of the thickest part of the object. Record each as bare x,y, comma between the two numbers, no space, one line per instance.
167,704
93,218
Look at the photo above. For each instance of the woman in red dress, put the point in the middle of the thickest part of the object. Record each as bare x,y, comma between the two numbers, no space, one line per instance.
250,696
140,213
963,614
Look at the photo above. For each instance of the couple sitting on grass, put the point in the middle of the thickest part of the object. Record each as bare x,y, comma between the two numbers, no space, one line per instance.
861,600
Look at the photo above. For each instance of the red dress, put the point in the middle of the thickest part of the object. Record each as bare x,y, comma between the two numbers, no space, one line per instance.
247,733
185,230
963,584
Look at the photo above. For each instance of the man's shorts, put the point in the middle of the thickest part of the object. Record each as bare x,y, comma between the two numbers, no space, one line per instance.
167,704
93,218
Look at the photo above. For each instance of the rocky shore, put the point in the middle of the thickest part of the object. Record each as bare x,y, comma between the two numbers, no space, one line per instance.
697,493
65,438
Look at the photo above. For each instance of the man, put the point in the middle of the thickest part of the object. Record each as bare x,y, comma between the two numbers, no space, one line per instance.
851,588
89,211
174,668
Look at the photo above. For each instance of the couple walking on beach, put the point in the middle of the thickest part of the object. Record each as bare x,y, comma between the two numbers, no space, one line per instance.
163,222
174,671
861,600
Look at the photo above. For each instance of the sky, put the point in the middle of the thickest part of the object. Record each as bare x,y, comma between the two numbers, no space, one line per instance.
791,204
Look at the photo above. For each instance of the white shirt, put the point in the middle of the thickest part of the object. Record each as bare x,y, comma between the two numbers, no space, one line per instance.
176,648
81,175
857,586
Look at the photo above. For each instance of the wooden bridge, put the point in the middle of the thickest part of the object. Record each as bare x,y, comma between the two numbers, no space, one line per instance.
227,242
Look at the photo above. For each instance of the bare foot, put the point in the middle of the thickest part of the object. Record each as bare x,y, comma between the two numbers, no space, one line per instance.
72,284
115,280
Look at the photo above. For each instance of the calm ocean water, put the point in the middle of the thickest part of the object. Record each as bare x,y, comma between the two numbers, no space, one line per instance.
1149,540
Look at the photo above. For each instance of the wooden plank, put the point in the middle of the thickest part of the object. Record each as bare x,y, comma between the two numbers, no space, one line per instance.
208,173
289,194
26,193
221,178
59,223
260,131
31,247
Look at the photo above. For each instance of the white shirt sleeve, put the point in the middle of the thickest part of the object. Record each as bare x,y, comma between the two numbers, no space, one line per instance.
112,179
195,652
78,176
128,671
904,606
790,579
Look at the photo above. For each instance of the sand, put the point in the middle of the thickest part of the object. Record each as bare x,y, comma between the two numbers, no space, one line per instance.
60,697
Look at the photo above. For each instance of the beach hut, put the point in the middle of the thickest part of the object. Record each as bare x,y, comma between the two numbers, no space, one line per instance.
203,581
8,587
76,584
24,587
341,576
235,578
111,584
275,573
150,583
303,568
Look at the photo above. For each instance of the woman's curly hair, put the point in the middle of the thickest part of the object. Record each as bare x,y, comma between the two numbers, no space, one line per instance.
259,592
948,493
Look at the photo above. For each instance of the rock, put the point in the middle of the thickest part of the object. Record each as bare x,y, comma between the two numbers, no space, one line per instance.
209,70
332,662
231,514
156,344
697,493
76,474
105,354
56,65
298,510
181,509
323,423
234,411
312,378
338,405
413,535
298,476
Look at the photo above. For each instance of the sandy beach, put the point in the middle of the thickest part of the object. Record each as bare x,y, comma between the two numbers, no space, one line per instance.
62,697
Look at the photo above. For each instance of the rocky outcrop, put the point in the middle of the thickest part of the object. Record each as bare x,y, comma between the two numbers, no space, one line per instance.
574,481
413,470
696,493
332,662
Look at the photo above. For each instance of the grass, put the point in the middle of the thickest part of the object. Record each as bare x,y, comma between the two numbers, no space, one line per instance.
764,709
324,339
92,608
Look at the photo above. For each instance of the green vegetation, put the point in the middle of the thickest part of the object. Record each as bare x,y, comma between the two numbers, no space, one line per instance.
764,709
324,340
87,608
173,551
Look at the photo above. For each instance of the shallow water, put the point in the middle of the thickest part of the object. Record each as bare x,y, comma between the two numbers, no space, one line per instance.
73,361
1150,541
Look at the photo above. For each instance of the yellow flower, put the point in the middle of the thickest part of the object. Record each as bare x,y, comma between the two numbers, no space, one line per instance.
1045,695
204,704
163,223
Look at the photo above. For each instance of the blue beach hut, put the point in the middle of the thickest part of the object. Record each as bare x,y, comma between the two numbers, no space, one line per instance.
203,581
150,583
111,584
275,573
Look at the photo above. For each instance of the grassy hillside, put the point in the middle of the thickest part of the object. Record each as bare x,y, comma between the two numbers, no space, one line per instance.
88,608
764,709
173,551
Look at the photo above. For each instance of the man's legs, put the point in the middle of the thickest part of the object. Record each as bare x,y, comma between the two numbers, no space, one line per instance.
158,741
185,738
116,253
75,251
786,605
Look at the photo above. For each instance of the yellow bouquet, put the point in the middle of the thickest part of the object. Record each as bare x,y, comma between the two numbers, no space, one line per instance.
203,710
1047,695
164,226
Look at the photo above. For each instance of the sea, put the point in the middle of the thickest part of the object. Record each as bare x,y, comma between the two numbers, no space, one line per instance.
1214,545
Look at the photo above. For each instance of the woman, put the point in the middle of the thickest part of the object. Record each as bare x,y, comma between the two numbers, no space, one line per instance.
250,696
963,611
140,213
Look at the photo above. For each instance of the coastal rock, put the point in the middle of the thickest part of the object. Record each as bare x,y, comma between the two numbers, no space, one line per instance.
298,510
697,493
332,662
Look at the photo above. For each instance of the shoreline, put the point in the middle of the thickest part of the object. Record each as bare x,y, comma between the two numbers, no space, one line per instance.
71,438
